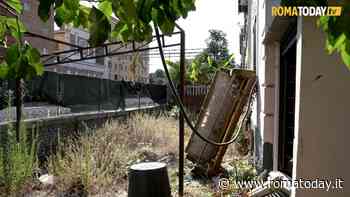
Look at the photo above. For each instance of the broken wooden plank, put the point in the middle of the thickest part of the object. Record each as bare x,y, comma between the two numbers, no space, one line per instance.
227,95
237,119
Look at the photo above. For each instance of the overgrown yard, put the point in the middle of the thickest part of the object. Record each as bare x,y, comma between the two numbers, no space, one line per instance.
96,163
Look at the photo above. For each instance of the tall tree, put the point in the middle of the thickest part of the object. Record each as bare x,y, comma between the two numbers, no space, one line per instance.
217,45
214,57
174,71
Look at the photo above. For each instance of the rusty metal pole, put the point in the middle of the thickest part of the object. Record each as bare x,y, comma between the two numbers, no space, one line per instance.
181,117
182,88
19,103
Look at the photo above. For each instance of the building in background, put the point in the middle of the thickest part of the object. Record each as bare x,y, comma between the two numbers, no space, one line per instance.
302,106
131,66
127,67
35,25
91,68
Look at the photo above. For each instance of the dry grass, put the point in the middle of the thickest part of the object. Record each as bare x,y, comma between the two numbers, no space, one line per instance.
100,160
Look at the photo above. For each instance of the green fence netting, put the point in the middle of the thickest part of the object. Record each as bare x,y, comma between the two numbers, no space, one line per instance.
80,93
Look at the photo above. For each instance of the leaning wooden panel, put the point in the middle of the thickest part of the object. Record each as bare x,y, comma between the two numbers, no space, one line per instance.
216,114
237,119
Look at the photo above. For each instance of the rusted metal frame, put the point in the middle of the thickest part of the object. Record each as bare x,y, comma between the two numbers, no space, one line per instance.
181,115
8,8
19,104
90,47
31,34
163,40
105,55
81,53
133,45
176,53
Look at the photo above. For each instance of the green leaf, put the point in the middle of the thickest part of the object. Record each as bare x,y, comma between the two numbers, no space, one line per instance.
154,14
119,27
106,8
148,33
58,3
3,70
125,32
129,8
100,27
59,16
227,63
45,9
160,18
339,42
72,5
33,55
188,6
2,30
83,16
345,54
16,5
39,68
16,28
144,10
12,54
167,26
64,16
323,22
13,25
210,61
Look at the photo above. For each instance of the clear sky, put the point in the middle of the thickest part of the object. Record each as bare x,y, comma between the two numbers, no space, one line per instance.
210,14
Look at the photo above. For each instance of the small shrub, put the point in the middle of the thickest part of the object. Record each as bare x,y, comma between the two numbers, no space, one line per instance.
17,159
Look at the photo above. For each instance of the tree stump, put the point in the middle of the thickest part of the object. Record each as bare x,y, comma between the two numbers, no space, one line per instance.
149,179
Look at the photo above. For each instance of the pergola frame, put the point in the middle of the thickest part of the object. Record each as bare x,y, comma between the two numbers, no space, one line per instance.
63,57
58,60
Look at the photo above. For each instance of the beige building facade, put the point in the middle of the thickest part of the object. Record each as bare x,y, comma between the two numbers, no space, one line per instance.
302,106
127,67
35,25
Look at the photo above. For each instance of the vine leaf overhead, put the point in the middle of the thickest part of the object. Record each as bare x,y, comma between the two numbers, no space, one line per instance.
106,20
133,17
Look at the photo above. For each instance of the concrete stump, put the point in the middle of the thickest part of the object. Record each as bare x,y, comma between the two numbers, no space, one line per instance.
149,179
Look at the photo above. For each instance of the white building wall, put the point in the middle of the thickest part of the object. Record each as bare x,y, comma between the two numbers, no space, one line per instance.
322,101
322,113
267,57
